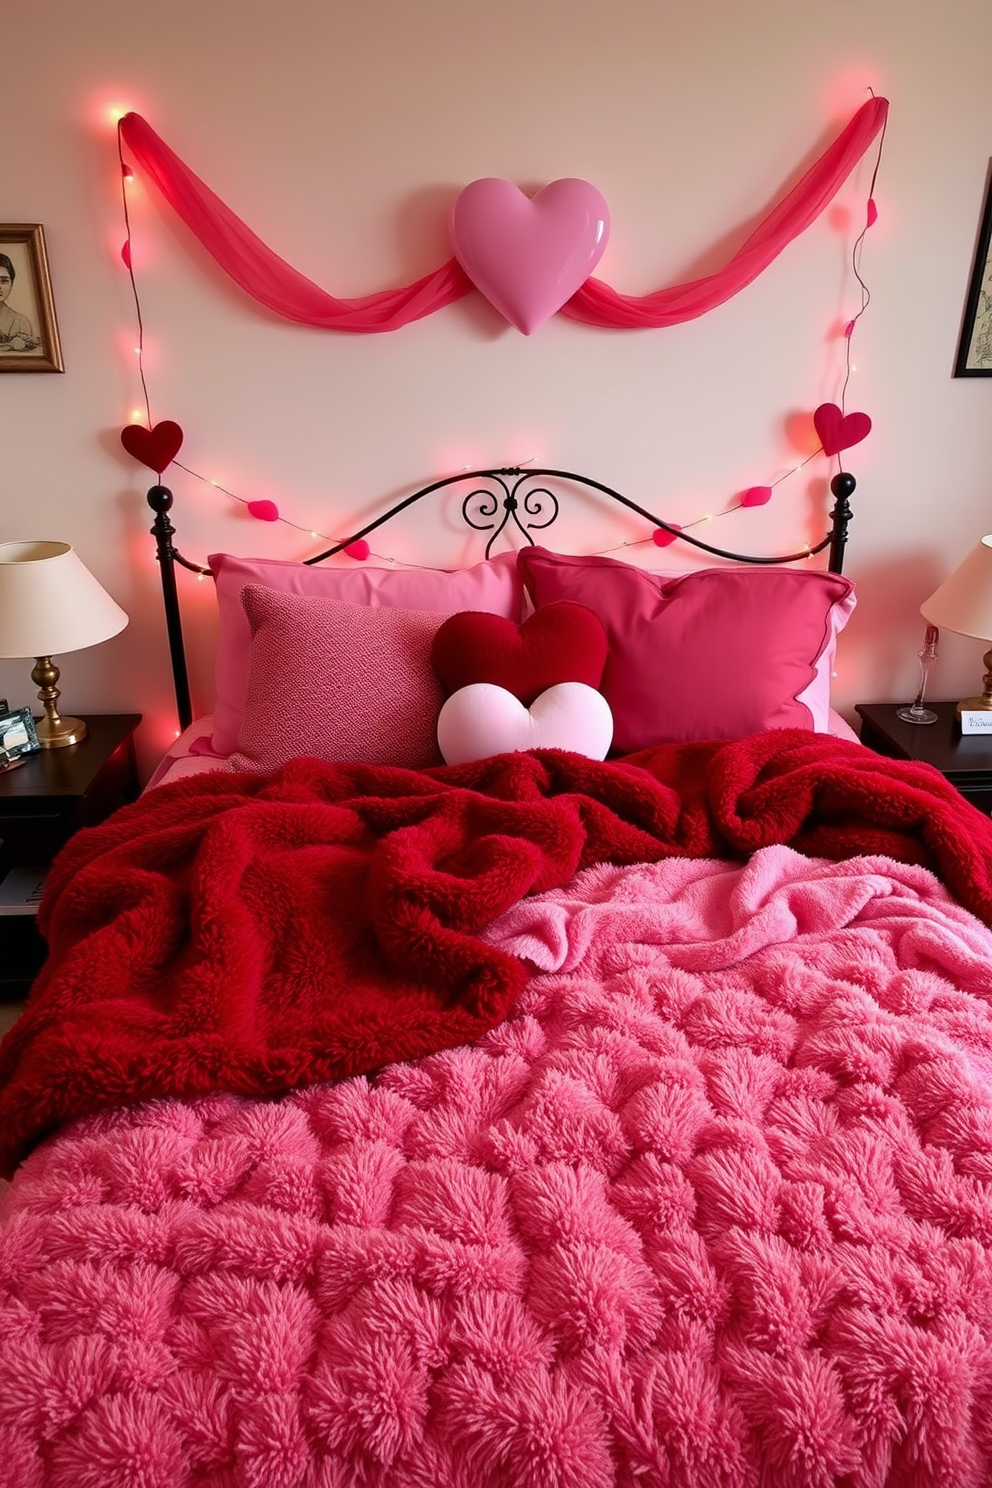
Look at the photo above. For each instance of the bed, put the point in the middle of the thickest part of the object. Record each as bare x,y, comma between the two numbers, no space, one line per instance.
538,1119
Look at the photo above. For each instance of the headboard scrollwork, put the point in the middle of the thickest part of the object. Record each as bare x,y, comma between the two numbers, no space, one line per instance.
513,497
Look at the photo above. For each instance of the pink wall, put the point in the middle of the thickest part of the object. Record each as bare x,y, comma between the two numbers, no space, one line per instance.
341,132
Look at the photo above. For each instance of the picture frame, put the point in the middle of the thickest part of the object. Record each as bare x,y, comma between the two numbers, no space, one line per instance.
18,736
29,335
974,357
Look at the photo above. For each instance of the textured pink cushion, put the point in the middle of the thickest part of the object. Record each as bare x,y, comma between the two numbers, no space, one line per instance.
338,681
494,586
715,654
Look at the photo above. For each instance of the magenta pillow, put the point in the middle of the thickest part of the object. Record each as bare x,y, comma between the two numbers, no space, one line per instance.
715,654
338,681
494,586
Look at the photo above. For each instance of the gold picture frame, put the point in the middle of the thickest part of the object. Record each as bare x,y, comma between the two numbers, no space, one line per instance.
29,333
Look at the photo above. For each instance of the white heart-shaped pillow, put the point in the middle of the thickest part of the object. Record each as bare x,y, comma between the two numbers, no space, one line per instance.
482,719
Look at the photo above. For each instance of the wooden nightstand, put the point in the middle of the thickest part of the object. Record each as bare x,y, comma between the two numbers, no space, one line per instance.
964,760
42,802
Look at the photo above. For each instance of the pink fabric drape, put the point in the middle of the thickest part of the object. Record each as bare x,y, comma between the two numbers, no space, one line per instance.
262,273
274,283
599,305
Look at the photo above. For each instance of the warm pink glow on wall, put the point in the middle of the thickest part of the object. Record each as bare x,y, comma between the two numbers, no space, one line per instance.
830,430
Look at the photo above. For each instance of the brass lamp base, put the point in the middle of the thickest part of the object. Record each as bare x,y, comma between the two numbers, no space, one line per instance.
64,731
54,731
981,704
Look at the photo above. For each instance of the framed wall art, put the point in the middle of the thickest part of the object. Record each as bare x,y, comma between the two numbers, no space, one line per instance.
975,347
29,335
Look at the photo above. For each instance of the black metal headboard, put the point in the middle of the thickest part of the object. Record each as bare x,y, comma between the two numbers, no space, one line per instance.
514,497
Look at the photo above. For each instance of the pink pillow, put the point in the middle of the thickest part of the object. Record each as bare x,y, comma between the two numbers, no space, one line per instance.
715,654
337,681
494,586
483,719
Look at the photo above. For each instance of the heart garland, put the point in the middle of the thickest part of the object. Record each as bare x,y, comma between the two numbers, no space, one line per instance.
837,431
156,447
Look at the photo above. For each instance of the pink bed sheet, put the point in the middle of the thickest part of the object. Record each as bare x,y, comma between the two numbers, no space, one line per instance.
712,1208
180,761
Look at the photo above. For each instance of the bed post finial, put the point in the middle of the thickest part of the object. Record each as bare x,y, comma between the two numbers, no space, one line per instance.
843,487
160,501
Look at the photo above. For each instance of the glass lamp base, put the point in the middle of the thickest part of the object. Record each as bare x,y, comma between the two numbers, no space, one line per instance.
912,714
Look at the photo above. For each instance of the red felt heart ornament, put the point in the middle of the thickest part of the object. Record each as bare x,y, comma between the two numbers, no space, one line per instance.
156,447
837,431
560,642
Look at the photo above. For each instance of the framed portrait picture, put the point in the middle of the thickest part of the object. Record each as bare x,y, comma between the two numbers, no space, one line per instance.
975,347
29,335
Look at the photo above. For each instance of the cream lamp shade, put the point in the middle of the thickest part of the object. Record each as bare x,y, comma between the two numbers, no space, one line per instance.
50,603
963,603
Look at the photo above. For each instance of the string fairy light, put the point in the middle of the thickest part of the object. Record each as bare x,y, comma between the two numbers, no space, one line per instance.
266,510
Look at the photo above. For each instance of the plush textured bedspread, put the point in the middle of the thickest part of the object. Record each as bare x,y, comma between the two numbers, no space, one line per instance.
711,1208
256,933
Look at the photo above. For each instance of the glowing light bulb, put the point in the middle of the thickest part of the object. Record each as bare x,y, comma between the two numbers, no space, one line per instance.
137,415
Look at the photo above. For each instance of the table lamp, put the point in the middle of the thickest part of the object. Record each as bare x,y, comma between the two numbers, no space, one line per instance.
50,603
963,603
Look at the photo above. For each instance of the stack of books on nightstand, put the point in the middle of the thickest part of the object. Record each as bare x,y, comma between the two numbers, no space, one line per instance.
20,891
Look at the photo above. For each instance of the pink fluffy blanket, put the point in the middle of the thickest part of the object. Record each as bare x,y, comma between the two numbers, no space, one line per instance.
712,1208
256,933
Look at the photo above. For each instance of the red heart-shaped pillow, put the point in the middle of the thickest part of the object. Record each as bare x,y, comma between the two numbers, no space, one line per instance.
837,431
155,447
560,642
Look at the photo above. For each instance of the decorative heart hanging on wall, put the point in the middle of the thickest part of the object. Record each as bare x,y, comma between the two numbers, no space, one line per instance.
837,431
528,255
156,447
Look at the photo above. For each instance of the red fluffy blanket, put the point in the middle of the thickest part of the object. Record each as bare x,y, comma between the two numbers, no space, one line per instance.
255,934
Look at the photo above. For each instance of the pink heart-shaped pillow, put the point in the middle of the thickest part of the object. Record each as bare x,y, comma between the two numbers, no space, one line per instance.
837,431
528,255
481,720
156,447
560,642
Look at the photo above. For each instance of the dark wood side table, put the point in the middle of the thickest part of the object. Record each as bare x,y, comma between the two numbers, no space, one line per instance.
963,759
42,802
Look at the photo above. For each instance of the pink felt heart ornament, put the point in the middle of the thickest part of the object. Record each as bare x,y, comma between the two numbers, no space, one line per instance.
560,642
481,720
528,255
756,496
263,511
838,431
663,537
156,447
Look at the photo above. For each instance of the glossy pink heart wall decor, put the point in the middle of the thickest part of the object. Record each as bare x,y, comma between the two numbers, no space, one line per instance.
528,255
